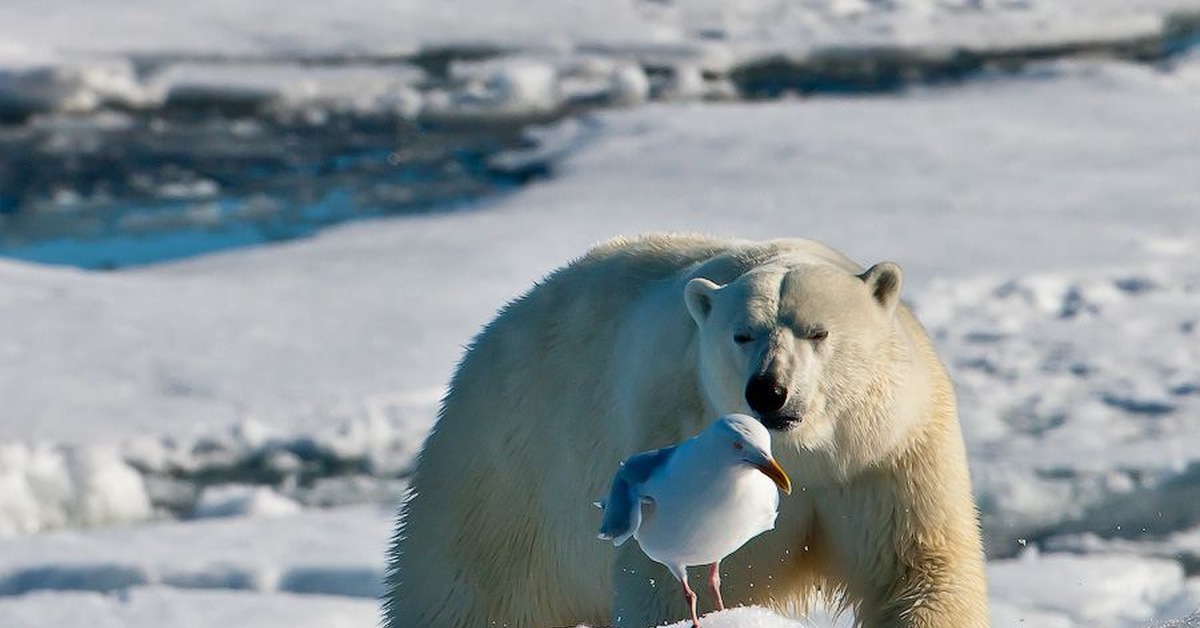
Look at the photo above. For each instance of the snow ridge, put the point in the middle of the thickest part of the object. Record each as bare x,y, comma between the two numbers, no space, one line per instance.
244,470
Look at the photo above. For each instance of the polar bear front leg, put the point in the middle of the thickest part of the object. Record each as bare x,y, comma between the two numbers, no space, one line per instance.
907,561
644,592
934,593
926,570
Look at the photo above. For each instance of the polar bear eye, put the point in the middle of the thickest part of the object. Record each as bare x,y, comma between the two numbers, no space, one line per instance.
742,338
818,335
737,445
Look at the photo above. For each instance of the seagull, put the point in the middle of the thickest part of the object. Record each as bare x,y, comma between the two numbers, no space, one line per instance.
697,502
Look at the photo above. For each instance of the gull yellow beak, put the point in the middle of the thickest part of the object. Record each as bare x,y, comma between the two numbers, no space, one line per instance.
771,469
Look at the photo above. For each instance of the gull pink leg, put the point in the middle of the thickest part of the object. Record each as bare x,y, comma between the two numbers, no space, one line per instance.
691,599
714,584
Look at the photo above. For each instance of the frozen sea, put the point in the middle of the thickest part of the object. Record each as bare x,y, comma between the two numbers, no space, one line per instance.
217,430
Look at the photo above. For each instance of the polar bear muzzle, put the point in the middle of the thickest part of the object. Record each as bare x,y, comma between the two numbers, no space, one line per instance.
766,395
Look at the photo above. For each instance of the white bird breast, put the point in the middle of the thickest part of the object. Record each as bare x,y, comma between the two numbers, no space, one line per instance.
698,518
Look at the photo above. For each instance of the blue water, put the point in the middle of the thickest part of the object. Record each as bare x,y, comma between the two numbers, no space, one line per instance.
141,187
161,188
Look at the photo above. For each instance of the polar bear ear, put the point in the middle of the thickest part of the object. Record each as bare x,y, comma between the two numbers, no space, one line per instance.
698,295
883,281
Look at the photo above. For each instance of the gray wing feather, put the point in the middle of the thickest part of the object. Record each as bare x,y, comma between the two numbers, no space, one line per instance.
623,508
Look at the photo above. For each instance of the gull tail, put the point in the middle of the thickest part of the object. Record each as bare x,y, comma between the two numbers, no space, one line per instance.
622,512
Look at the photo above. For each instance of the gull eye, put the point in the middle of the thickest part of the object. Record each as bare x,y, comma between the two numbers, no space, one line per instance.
818,335
737,446
742,338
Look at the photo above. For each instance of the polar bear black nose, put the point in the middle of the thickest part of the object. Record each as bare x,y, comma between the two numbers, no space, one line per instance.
765,395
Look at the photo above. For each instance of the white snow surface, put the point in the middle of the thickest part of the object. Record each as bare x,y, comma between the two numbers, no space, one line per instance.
156,607
42,486
72,56
336,552
1046,224
380,27
1082,169
164,572
238,500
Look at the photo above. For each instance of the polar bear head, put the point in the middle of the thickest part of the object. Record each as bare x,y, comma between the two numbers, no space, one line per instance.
798,345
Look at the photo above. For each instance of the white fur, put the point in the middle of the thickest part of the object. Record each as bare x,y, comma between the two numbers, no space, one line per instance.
621,352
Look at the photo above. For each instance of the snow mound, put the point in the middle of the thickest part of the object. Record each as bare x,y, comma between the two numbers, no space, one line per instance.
746,617
45,487
77,86
244,470
241,500
742,617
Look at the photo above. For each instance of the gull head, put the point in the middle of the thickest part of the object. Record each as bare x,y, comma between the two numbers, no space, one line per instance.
745,440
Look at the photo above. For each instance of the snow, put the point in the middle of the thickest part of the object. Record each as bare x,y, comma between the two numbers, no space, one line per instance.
1094,591
69,87
69,56
1181,545
231,28
288,84
239,500
1191,621
1045,221
750,617
341,553
1048,400
254,563
42,486
1003,616
369,318
509,87
47,487
165,606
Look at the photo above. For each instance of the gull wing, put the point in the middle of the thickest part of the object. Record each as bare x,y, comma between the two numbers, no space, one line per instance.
623,508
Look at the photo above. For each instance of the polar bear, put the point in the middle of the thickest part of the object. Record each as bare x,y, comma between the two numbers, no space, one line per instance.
640,344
